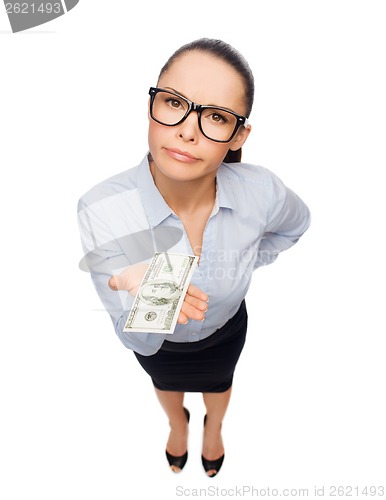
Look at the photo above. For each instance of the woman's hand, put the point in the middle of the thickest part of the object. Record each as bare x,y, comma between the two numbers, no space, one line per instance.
194,306
195,302
129,279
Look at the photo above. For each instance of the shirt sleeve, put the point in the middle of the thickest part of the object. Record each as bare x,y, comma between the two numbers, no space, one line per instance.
105,256
288,219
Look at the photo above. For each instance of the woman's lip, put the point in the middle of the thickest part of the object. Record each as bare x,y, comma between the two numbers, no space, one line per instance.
184,156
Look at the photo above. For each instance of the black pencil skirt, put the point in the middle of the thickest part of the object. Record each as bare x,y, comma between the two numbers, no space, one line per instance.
204,366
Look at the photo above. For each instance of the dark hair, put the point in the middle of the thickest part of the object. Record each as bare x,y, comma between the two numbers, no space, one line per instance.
230,55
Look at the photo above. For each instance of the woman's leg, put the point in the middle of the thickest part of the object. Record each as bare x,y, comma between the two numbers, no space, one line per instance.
172,403
216,405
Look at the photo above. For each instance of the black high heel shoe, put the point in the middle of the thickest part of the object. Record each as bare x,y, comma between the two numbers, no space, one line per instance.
212,464
181,460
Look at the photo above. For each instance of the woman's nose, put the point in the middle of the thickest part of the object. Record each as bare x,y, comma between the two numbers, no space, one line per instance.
189,130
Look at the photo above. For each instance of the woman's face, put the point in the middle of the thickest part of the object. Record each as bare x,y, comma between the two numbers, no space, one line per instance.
182,152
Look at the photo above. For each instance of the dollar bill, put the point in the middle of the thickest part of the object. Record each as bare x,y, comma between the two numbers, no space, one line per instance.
159,299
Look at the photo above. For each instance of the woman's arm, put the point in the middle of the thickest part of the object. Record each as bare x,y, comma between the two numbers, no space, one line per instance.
116,279
288,220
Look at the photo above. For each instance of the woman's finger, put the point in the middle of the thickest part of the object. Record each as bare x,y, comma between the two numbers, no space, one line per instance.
182,318
113,283
192,312
202,305
196,292
119,282
129,279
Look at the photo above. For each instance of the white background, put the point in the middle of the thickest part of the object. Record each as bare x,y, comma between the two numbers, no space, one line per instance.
79,419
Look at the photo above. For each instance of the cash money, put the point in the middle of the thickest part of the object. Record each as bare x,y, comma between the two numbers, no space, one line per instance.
160,296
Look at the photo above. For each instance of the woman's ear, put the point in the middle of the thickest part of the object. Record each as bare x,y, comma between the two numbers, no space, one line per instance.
240,138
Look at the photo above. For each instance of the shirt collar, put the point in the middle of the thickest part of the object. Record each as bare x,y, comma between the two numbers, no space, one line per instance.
154,204
226,188
156,207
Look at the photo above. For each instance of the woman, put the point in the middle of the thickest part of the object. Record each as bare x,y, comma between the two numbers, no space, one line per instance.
192,195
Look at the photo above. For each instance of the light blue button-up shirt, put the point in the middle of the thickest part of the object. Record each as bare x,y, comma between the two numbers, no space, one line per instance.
125,220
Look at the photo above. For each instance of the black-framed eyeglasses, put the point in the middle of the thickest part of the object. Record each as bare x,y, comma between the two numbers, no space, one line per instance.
215,123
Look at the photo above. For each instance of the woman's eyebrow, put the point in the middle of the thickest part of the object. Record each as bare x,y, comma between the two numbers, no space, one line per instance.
210,104
176,92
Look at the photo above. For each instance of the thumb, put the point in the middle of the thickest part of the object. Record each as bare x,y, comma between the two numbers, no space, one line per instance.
119,282
113,283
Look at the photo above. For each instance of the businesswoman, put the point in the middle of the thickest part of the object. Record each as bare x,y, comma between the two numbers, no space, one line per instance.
191,194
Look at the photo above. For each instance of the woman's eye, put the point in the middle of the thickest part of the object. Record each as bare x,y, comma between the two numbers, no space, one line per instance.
173,103
216,117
